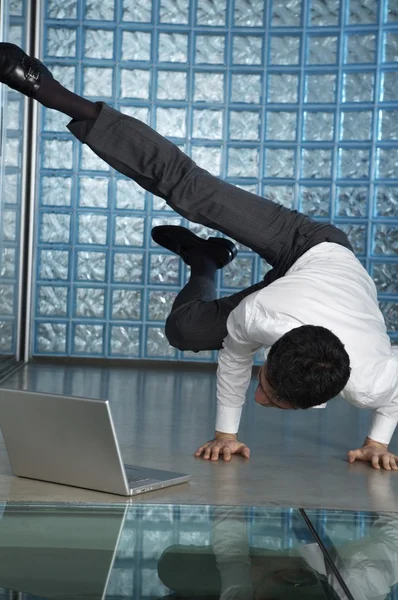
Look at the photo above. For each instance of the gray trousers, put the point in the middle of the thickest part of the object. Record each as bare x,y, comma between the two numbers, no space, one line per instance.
280,236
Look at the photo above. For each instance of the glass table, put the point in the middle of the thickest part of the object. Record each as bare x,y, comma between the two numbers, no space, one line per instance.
205,552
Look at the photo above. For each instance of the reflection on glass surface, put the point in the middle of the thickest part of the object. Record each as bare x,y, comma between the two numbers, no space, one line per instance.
158,551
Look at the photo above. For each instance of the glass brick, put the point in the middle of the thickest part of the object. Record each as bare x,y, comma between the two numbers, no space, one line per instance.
100,11
15,8
279,162
126,304
127,267
320,88
160,304
209,87
362,12
135,83
13,114
93,229
318,125
129,231
6,299
154,542
387,162
12,152
315,201
385,240
157,344
92,162
137,12
65,75
390,314
353,163
8,263
210,12
387,201
244,125
16,34
385,276
6,337
164,268
247,50
316,164
389,86
202,231
207,124
137,112
55,121
56,191
88,339
281,194
357,237
91,266
53,264
283,87
208,158
285,50
390,53
98,82
9,226
136,45
172,85
61,9
281,125
388,124
173,47
51,338
356,125
125,341
159,204
93,192
171,122
52,301
61,42
324,13
392,11
55,228
129,195
286,14
11,188
238,274
322,50
243,162
98,43
358,87
209,49
361,48
249,13
174,11
246,88
120,580
57,154
352,201
90,302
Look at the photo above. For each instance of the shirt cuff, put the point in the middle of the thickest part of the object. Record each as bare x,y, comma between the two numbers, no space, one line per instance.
228,418
382,428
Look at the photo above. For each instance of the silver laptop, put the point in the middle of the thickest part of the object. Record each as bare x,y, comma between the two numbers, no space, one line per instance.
72,441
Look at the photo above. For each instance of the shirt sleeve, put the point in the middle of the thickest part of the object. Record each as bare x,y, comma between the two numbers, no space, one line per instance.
383,425
234,371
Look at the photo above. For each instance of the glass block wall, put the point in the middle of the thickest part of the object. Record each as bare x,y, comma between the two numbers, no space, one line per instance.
294,100
12,105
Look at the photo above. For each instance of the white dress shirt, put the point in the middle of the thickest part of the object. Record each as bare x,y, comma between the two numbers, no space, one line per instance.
328,287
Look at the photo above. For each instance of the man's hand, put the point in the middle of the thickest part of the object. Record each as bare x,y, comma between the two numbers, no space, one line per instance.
375,453
224,444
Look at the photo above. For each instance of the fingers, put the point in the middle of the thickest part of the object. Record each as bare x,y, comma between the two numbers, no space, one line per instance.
354,455
246,452
200,450
393,463
216,453
227,454
375,462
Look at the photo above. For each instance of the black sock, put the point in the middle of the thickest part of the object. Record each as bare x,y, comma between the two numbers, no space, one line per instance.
201,263
53,95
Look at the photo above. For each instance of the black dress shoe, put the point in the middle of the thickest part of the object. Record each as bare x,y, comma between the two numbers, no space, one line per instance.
181,241
19,71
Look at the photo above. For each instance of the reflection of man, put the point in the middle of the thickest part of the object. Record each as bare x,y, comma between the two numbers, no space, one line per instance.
315,313
229,569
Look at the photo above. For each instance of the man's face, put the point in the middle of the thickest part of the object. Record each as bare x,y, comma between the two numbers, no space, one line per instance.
266,395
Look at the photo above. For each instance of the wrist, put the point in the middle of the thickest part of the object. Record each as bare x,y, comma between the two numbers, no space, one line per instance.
370,442
225,436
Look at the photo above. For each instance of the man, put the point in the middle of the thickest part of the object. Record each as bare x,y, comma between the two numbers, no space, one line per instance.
316,312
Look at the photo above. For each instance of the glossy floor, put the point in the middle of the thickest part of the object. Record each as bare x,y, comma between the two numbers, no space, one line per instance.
162,415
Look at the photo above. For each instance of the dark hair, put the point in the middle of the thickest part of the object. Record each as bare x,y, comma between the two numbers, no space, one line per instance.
308,366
